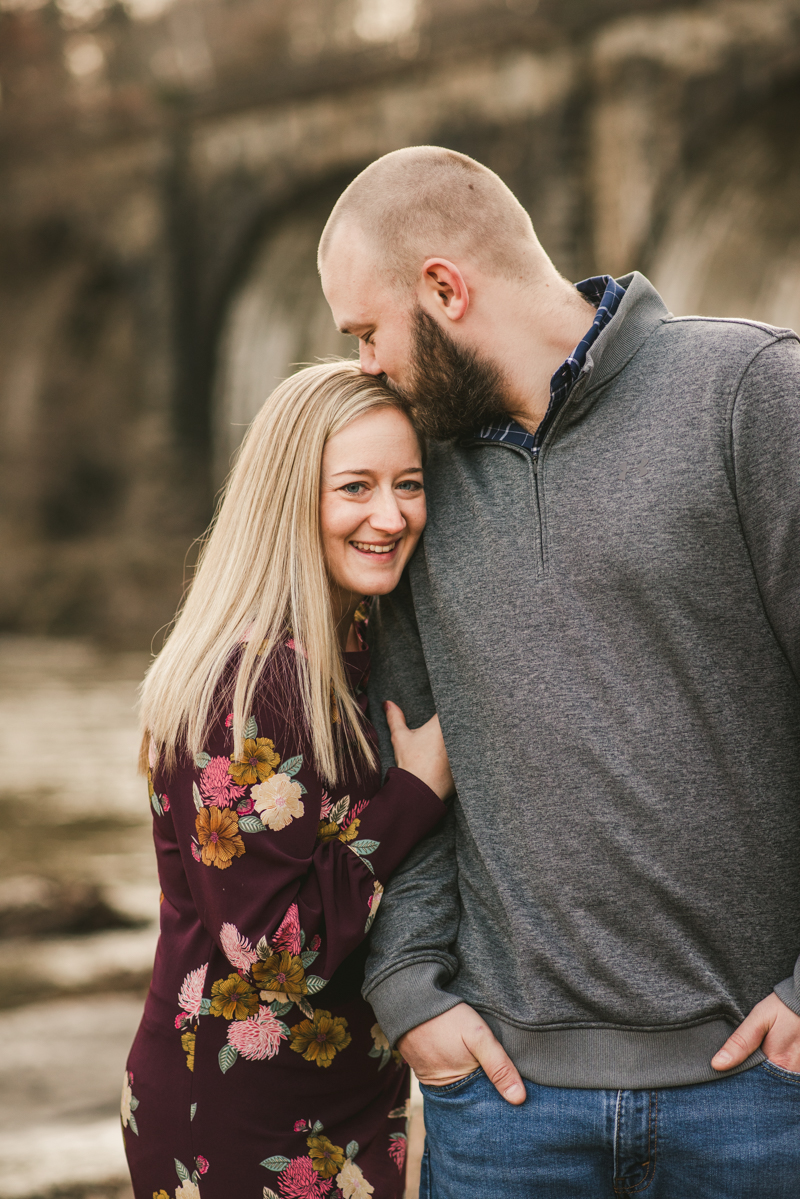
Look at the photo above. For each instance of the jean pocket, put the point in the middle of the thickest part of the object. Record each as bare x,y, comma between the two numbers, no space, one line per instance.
452,1088
791,1076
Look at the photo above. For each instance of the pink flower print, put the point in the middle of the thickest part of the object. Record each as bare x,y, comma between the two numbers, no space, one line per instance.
258,1037
196,852
191,992
300,1125
326,806
165,803
180,1019
316,941
299,1180
216,785
202,1164
288,935
237,949
397,1149
229,720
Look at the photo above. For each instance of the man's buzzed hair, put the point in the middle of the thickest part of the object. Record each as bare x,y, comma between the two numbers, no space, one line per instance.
422,201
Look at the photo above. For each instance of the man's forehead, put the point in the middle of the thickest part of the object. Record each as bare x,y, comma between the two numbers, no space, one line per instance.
352,282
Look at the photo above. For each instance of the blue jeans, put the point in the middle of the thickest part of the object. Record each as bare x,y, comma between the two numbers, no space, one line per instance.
738,1138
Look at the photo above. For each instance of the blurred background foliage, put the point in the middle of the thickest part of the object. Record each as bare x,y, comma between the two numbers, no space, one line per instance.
166,168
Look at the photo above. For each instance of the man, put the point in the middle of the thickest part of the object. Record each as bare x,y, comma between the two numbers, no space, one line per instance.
590,965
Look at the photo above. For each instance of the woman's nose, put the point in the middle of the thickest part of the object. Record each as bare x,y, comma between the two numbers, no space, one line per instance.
386,516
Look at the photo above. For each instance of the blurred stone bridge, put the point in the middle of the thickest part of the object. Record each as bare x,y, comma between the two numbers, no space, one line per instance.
166,169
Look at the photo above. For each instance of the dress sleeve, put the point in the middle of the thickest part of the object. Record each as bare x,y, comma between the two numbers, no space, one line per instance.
282,873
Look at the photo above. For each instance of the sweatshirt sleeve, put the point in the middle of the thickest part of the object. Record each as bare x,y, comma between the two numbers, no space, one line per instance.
411,959
765,434
283,873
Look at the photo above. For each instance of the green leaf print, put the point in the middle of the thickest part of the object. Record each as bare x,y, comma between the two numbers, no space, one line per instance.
251,729
262,949
198,802
362,847
352,1150
339,810
315,983
268,1194
205,1005
202,760
318,1127
226,1057
307,957
157,808
183,1173
192,1111
275,1163
280,1009
251,824
292,765
132,1124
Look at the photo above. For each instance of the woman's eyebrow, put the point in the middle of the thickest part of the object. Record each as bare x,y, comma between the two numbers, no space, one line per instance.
410,470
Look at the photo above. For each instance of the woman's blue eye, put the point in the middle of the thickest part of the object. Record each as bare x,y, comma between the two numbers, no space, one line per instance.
352,488
410,485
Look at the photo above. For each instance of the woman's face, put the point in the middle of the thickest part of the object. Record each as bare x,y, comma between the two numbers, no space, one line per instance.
372,506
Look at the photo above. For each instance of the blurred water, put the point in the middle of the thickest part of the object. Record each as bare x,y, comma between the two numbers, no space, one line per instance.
78,911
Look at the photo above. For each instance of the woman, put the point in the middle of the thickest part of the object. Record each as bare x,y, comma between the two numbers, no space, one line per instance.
258,1069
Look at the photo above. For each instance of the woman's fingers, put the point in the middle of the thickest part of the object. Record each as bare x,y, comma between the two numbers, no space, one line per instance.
394,718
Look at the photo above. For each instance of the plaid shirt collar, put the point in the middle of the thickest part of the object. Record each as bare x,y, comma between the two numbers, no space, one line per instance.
606,294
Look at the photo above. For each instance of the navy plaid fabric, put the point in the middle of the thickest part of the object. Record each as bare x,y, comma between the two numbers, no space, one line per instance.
605,293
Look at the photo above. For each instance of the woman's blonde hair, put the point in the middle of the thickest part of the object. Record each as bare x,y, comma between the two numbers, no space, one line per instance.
261,572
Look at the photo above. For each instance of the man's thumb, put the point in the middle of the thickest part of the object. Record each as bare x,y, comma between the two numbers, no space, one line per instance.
741,1044
499,1068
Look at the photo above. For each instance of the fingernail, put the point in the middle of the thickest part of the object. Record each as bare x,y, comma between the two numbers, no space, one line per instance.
515,1092
722,1058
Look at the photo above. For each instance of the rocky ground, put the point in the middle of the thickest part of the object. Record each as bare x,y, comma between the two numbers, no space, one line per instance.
78,913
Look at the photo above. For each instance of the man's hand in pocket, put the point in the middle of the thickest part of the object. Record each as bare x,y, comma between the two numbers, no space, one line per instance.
453,1045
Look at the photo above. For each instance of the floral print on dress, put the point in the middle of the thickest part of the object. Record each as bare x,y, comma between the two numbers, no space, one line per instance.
313,1176
342,824
128,1104
225,810
268,981
188,1184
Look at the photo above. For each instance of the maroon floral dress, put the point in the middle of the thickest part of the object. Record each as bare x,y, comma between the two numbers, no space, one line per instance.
258,1070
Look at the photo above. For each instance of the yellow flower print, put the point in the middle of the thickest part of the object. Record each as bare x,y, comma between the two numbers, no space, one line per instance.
320,1039
327,831
187,1041
257,763
351,832
160,1195
326,1158
218,836
278,801
234,998
282,976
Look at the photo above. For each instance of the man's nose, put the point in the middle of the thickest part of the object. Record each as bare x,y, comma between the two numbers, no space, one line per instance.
367,359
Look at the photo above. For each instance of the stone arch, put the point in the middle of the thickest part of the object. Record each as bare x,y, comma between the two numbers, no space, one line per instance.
731,243
276,320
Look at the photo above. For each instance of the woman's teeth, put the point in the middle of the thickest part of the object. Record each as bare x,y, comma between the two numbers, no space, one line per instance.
373,549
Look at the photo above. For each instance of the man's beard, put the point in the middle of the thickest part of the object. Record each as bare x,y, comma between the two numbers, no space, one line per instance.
452,392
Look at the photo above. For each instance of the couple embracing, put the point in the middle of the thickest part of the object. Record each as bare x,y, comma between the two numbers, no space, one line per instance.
529,819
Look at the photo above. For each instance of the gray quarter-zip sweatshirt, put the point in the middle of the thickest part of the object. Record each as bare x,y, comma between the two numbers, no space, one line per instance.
611,638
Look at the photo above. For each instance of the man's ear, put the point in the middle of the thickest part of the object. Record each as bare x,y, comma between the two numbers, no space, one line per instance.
442,289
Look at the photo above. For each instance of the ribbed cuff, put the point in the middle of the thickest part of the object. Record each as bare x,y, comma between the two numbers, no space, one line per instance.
789,993
409,997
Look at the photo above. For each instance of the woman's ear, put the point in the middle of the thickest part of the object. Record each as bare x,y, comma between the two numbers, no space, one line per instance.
443,289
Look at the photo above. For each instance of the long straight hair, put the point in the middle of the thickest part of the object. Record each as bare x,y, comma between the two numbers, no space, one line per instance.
261,573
